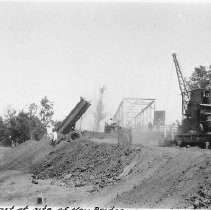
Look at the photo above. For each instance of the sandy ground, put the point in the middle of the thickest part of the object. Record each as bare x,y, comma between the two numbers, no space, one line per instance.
158,177
16,187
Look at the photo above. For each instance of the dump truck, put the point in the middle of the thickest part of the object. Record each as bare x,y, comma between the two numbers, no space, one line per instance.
66,129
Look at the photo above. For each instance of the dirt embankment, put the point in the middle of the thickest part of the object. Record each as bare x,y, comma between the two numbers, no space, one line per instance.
169,178
86,173
83,162
27,153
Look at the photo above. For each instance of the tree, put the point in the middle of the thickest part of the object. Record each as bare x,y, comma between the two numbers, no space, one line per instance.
200,78
46,112
1,122
2,129
10,114
38,130
22,126
32,109
32,122
56,123
25,125
99,114
16,126
40,117
10,122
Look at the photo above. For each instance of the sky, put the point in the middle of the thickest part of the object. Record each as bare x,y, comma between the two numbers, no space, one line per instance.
64,50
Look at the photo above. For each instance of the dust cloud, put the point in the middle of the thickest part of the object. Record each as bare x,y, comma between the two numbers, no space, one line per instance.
147,137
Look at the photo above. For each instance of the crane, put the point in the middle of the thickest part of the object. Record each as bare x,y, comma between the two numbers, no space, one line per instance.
195,128
183,89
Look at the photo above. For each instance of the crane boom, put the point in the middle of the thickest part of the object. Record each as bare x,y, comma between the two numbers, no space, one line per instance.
183,89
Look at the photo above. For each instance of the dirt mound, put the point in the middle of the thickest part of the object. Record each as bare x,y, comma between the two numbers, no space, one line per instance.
200,199
85,162
169,178
22,156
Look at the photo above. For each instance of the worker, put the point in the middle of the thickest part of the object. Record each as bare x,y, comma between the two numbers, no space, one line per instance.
12,141
150,126
55,137
111,122
113,125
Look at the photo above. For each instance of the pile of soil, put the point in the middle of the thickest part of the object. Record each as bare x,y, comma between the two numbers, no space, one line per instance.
85,162
25,154
169,178
200,199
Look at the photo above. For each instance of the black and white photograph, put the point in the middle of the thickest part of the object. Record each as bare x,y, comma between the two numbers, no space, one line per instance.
105,105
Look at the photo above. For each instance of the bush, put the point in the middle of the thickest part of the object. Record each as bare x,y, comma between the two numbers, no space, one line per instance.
26,125
22,127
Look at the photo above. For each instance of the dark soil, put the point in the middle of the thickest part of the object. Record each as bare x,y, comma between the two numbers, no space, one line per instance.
85,162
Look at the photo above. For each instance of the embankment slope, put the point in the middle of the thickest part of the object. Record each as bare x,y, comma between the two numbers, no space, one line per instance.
86,173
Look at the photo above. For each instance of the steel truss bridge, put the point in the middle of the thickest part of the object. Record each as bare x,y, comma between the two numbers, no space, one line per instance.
135,112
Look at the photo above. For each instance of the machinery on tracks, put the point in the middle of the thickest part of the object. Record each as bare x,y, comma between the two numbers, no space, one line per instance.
195,129
123,135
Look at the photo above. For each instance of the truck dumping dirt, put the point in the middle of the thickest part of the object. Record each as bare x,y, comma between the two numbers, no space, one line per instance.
87,174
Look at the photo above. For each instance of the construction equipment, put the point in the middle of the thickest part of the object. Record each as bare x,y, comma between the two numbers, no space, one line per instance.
123,135
195,129
66,129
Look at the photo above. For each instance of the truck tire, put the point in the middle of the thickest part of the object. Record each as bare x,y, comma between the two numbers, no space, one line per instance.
179,142
74,135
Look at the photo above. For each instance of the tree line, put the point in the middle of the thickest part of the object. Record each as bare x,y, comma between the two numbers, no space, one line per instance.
18,127
200,78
